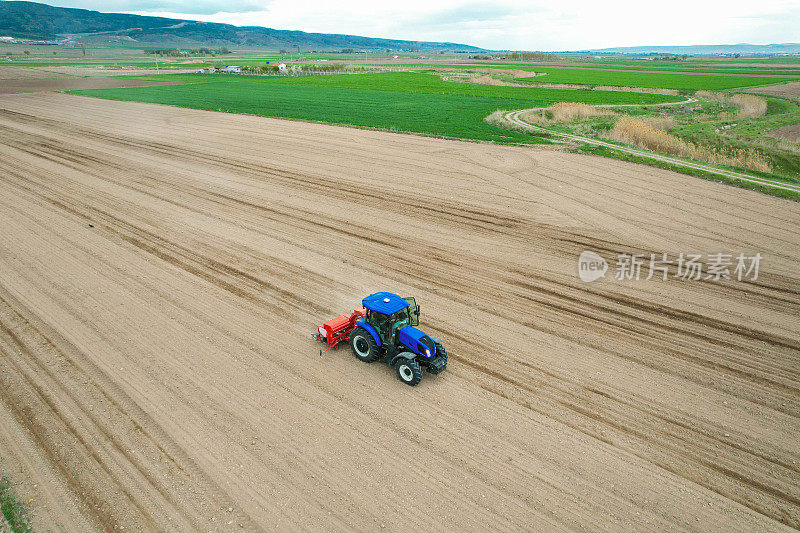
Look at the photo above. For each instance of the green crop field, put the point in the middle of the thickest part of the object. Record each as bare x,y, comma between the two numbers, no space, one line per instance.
665,66
626,78
406,102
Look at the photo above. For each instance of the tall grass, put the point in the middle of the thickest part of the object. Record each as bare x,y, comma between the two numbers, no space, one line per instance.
639,133
748,105
565,112
660,123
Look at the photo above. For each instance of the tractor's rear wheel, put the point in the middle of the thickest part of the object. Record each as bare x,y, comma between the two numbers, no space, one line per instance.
363,345
408,371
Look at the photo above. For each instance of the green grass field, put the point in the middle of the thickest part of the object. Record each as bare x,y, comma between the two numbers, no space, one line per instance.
665,66
627,78
404,102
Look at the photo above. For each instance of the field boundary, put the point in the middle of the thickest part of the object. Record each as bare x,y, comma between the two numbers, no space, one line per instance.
514,118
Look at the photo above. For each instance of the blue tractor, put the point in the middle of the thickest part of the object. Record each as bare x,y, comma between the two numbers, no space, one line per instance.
387,330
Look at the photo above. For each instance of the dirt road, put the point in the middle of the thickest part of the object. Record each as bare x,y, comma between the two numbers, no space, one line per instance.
163,269
515,118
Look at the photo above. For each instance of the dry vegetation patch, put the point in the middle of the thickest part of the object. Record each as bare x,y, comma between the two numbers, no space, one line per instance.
639,133
660,123
565,112
748,105
486,79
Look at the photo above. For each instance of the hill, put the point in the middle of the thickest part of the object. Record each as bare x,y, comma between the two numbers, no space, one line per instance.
32,20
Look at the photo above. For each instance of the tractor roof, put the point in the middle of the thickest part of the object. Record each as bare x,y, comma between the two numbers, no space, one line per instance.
384,302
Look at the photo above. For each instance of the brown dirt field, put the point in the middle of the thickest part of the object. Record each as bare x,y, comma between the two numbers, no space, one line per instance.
515,73
27,73
789,133
163,269
70,84
789,90
104,72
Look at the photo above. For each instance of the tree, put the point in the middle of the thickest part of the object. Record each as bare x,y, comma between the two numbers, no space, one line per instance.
27,52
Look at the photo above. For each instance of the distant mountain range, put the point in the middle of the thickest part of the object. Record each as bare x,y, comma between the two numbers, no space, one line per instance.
706,49
32,20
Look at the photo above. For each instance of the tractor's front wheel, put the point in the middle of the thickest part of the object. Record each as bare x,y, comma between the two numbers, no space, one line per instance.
363,345
408,371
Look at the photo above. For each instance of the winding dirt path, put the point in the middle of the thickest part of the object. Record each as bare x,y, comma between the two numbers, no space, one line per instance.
515,118
163,269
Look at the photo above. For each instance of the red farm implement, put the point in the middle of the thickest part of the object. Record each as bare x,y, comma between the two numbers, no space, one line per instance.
338,329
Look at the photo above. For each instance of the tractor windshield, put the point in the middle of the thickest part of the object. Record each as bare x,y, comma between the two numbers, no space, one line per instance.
400,319
387,325
382,323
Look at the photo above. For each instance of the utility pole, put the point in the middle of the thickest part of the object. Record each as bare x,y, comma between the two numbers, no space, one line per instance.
155,54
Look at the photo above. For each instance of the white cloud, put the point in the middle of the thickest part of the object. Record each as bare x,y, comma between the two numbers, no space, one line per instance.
523,25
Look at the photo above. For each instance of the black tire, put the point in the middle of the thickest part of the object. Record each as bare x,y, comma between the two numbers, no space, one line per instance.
408,371
363,345
440,349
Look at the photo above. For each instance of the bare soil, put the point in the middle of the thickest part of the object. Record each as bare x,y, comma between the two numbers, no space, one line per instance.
163,270
789,133
104,72
790,90
71,84
27,73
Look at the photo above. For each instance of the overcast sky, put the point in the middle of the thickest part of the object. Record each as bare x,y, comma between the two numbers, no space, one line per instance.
521,25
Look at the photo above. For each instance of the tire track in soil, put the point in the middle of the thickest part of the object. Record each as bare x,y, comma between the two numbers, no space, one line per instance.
681,344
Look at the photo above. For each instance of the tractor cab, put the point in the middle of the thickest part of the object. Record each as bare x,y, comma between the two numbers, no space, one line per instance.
387,313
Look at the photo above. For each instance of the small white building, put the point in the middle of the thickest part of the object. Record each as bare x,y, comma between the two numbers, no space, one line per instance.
233,68
282,67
